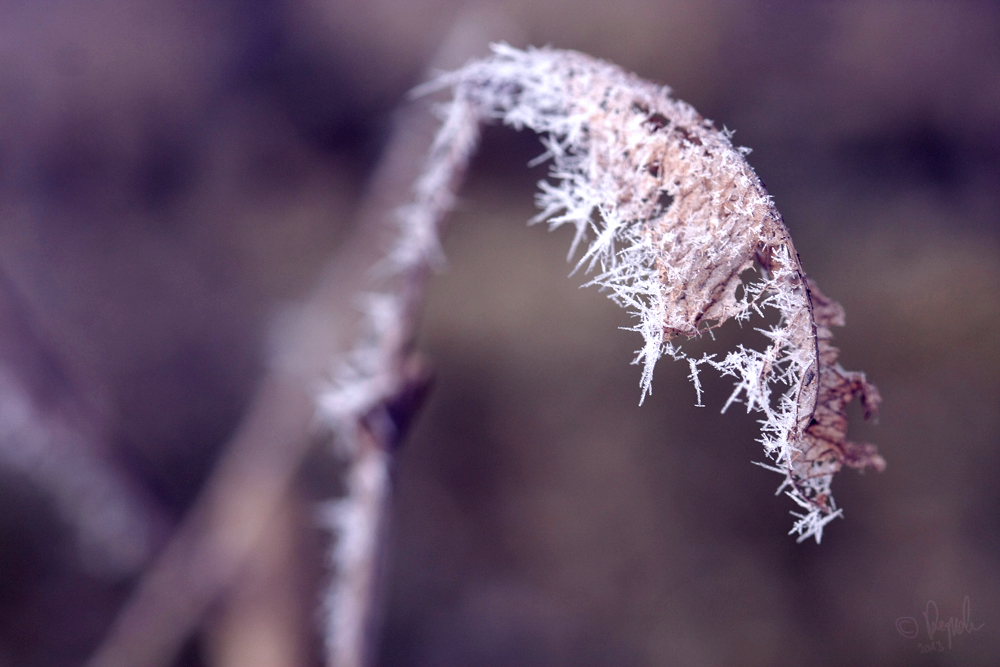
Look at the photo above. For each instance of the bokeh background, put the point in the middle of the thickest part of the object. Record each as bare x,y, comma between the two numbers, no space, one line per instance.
174,173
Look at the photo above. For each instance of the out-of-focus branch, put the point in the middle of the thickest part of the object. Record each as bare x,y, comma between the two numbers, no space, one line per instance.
256,468
49,435
208,549
115,525
262,621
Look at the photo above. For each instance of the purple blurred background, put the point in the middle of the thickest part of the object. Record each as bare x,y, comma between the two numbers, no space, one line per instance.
173,174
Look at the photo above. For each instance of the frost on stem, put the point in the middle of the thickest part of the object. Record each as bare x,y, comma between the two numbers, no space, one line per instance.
674,220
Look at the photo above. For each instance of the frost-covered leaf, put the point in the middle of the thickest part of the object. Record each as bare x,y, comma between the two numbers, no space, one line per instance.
675,220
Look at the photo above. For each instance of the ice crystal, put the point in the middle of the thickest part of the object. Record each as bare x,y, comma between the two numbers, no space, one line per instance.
674,220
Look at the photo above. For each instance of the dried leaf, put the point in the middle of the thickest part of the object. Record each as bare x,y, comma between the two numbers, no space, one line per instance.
676,219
